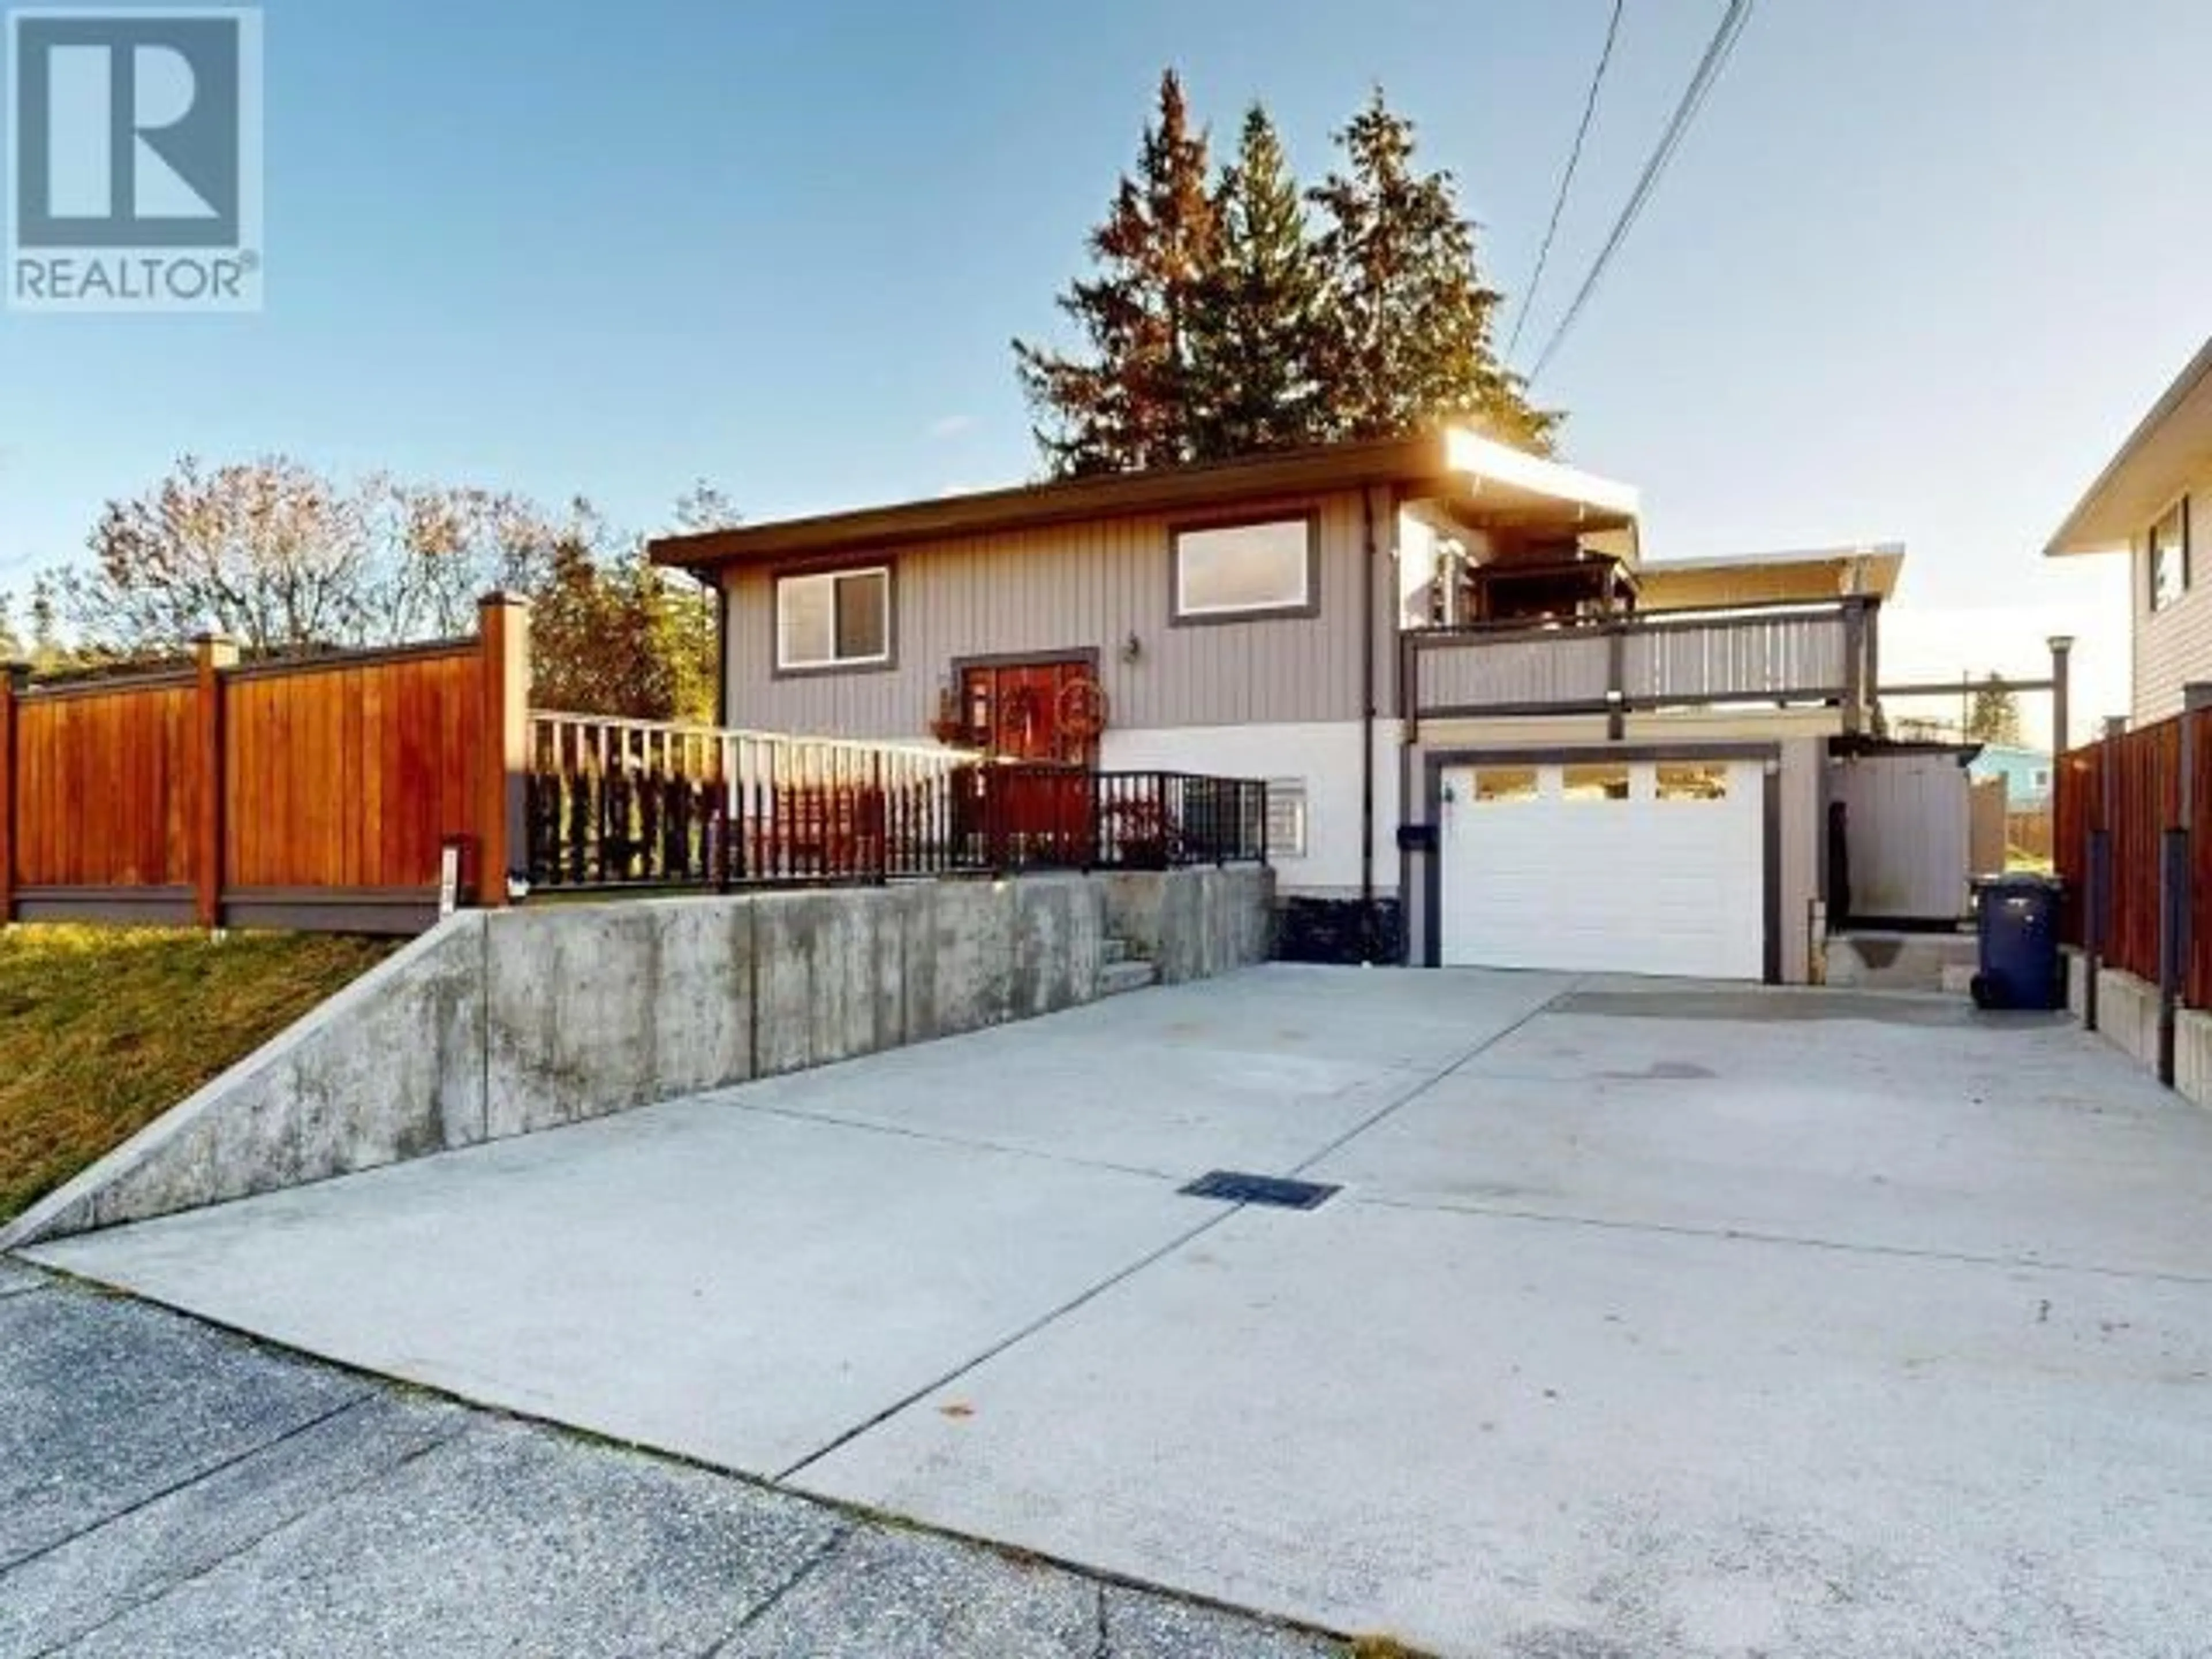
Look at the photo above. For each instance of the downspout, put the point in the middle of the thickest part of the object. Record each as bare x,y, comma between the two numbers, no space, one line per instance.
1409,734
1367,930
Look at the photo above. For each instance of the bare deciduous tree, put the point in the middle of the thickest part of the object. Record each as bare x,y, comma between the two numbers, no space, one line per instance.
285,560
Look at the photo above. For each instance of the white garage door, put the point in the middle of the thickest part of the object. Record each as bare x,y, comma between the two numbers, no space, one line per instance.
1615,867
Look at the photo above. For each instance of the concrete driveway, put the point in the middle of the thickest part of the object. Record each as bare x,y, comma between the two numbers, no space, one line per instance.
1652,1320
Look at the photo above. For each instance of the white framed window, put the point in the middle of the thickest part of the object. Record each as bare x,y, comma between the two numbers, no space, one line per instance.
2169,556
834,619
1286,817
1223,573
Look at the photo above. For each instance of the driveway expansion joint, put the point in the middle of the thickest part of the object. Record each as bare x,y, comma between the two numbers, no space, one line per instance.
1450,1069
965,1143
1793,1241
1042,1321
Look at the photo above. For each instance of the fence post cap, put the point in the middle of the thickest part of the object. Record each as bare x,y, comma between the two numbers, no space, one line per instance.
2060,644
218,648
504,596
2196,697
16,673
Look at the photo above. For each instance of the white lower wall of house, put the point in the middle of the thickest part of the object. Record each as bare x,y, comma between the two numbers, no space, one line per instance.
1323,755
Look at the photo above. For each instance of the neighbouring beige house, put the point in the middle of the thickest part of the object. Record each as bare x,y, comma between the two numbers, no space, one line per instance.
1492,734
2151,501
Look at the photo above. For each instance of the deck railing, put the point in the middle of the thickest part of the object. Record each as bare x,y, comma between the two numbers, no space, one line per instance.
627,804
1018,816
1817,652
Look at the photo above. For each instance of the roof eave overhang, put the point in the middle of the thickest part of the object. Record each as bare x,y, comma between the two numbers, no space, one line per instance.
1487,479
2170,446
1194,490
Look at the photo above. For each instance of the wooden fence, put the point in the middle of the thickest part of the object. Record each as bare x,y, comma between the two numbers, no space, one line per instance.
315,793
2028,831
2127,793
328,792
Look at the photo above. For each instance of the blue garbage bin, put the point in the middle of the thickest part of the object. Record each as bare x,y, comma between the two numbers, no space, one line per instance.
2020,967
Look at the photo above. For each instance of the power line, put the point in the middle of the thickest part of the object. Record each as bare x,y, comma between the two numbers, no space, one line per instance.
1709,69
1566,180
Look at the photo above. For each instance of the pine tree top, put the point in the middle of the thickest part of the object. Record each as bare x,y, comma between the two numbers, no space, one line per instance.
1220,321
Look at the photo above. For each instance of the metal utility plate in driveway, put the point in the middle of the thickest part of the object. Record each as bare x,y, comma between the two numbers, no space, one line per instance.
1235,1186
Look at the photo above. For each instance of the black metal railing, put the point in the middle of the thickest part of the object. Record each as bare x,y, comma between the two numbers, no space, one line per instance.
616,803
1019,817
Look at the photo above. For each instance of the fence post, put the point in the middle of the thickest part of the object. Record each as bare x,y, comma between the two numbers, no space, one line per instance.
2062,712
2099,923
2096,904
211,655
14,676
1616,681
503,639
1855,664
2174,883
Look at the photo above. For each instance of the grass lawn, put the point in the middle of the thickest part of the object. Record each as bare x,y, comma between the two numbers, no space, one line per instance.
103,1030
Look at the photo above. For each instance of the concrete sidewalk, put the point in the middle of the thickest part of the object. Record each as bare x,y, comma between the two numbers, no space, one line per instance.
166,1489
1652,1320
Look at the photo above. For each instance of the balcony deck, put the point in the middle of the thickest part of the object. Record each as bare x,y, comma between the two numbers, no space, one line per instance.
1802,653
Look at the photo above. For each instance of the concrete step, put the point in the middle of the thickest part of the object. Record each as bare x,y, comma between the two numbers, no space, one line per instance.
1120,976
1873,960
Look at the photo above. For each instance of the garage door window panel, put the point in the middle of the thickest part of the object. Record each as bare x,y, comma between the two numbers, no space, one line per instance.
1692,783
1606,781
1505,785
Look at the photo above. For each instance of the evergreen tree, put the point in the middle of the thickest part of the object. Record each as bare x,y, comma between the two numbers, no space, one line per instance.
1995,717
1127,404
1258,326
1410,315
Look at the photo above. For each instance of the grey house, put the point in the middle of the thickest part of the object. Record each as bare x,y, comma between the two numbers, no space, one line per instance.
1481,747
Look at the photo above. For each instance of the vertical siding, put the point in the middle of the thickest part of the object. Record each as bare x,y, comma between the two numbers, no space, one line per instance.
1908,829
1077,588
2175,645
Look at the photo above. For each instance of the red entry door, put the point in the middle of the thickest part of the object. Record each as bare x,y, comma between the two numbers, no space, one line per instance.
1016,710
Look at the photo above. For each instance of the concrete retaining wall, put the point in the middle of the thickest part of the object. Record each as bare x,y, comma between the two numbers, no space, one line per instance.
2127,1017
1195,924
506,1023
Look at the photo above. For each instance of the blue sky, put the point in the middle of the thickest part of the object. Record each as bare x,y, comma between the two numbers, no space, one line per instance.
1917,268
